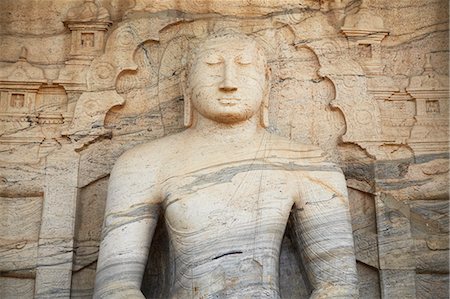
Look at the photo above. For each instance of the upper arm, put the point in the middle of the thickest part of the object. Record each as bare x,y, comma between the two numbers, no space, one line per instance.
322,183
322,226
131,215
133,181
133,196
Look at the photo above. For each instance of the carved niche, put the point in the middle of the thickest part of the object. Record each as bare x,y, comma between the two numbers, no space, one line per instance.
143,63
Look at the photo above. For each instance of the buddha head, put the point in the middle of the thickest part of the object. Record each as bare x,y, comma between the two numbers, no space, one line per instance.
227,80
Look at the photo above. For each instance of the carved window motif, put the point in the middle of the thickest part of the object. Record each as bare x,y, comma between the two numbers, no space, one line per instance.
432,106
364,51
17,100
87,40
400,107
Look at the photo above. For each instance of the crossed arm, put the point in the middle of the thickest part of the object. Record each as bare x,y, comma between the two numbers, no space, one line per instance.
323,233
130,220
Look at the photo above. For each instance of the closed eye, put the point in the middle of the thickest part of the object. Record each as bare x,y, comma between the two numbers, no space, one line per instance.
244,59
213,60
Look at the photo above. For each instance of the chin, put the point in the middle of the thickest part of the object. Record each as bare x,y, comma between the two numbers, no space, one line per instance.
231,118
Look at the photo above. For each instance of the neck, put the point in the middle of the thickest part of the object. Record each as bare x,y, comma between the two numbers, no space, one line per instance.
242,132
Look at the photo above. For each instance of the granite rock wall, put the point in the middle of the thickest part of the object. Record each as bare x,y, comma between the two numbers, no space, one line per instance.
83,81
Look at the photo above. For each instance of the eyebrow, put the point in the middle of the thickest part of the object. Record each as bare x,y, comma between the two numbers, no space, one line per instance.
206,52
214,47
224,52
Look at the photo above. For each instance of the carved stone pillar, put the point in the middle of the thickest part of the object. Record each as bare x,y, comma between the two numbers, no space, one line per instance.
55,251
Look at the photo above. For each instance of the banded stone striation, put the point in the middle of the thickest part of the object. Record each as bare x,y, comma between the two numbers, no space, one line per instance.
226,207
226,216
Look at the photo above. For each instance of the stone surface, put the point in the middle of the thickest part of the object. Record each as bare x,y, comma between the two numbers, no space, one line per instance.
81,82
19,231
226,213
12,288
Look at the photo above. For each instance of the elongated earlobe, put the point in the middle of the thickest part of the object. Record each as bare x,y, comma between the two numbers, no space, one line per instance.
187,111
264,116
187,121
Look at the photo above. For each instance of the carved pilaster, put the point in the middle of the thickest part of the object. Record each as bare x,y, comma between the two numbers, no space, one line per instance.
88,24
431,93
366,29
32,109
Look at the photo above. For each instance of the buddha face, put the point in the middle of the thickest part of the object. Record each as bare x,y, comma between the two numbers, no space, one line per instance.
227,79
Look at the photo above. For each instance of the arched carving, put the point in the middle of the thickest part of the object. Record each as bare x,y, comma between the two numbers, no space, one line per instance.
361,113
104,70
120,48
343,78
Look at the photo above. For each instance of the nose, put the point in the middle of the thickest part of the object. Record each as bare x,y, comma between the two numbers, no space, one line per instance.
228,83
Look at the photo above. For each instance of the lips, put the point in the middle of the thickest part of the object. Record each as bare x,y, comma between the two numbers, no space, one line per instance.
229,101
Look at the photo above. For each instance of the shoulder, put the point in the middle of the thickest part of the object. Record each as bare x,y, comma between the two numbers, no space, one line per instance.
149,155
305,160
311,173
295,151
139,168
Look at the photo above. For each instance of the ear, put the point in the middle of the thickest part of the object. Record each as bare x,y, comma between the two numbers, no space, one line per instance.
264,117
187,100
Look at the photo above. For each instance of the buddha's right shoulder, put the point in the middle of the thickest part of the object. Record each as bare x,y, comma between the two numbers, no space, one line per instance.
151,153
136,174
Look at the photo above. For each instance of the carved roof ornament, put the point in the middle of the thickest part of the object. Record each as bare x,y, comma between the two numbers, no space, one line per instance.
88,23
365,26
429,80
89,11
22,70
30,108
23,54
430,90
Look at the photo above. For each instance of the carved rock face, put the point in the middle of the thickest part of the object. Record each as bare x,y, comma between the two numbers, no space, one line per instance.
227,79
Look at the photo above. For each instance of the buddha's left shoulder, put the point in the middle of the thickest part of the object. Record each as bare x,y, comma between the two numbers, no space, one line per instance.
295,151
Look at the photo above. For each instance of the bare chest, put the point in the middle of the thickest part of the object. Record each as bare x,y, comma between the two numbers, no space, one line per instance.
229,197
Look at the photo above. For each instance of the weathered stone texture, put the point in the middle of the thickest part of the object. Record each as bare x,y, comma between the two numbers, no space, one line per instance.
12,288
81,82
19,233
